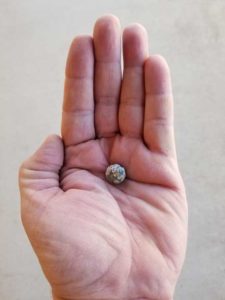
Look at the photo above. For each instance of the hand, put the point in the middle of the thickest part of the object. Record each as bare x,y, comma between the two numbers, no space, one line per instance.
95,240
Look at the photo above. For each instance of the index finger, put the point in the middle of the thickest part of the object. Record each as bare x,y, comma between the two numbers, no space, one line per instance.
78,104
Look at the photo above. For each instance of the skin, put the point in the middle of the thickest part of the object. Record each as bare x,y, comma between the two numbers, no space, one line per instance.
95,240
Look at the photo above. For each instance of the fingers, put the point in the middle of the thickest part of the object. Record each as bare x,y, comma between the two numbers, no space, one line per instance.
107,75
154,122
158,123
78,105
40,171
135,51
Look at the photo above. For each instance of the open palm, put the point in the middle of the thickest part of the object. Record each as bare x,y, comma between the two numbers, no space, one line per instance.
96,240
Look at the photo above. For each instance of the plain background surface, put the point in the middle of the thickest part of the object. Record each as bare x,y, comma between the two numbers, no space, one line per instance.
34,39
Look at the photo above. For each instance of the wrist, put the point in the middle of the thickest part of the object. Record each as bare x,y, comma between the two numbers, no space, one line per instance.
171,298
166,296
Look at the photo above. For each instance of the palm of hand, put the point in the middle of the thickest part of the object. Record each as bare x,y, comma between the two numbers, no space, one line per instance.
99,241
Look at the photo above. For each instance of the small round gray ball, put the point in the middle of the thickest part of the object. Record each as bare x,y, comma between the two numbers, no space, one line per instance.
115,174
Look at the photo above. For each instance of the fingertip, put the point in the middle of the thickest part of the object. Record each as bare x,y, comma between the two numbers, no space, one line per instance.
157,75
52,149
80,40
80,57
157,61
133,30
135,44
105,27
54,139
48,156
106,20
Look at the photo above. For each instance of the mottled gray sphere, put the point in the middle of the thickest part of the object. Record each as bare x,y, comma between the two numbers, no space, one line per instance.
115,174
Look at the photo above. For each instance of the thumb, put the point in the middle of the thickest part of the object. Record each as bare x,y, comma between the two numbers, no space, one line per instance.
41,171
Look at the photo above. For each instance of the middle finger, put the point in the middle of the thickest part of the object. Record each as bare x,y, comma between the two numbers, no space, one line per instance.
107,75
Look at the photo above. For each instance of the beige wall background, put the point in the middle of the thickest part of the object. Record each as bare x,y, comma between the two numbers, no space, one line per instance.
34,38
